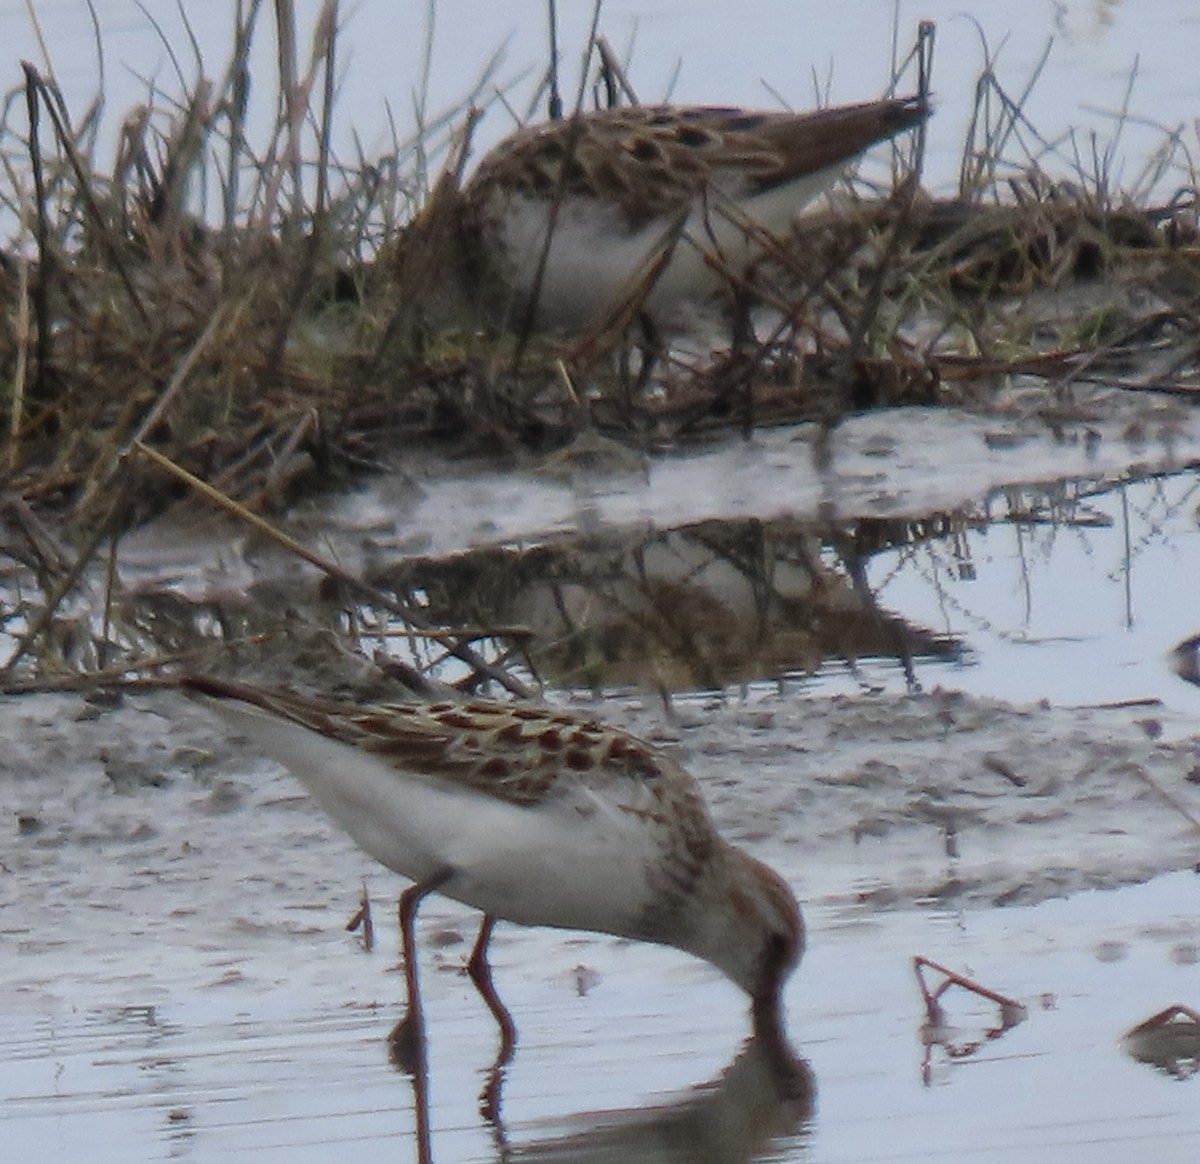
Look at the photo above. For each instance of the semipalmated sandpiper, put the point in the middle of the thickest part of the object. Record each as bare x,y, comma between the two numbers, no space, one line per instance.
530,815
645,209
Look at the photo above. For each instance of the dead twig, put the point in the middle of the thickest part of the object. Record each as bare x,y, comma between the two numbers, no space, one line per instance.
451,641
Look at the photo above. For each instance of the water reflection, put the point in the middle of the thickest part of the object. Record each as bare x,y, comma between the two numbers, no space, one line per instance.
1168,1041
738,599
764,1097
759,1106
1092,575
955,1038
696,607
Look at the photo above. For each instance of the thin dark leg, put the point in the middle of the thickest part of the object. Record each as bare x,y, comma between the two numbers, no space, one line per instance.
479,970
744,356
651,349
407,1039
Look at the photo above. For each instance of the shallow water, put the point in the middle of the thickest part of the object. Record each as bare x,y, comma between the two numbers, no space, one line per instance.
1011,557
611,1074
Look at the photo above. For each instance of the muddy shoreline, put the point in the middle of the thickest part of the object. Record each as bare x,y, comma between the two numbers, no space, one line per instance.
146,847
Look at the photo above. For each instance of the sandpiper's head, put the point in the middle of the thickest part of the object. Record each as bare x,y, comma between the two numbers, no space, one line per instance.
761,936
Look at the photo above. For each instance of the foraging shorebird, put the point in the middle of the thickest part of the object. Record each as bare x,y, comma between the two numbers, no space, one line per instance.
646,209
534,816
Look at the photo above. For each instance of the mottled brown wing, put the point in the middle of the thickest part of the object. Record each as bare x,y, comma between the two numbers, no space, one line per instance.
653,160
512,752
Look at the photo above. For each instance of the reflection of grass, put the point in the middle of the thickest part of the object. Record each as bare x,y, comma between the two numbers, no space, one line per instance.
254,314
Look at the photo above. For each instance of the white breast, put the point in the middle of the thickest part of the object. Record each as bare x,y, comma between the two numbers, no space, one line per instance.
595,262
